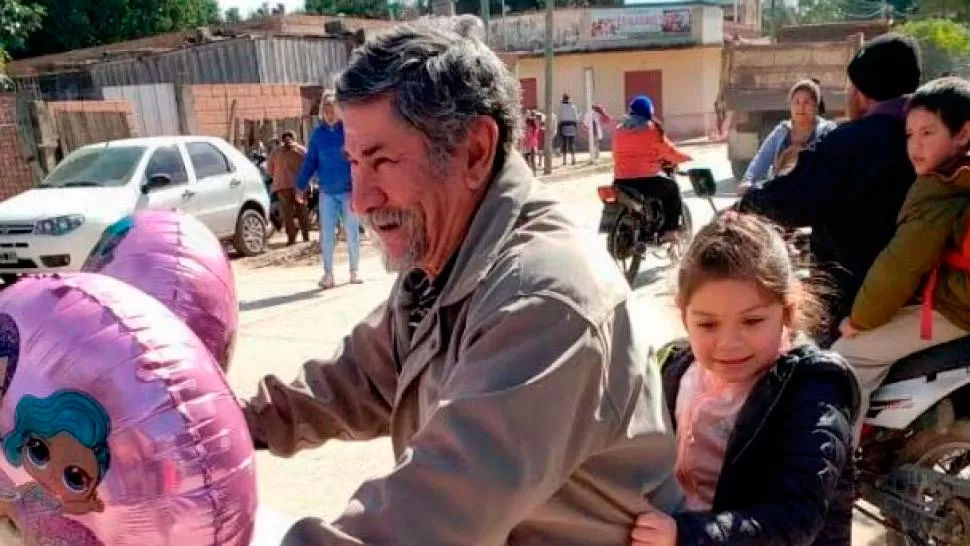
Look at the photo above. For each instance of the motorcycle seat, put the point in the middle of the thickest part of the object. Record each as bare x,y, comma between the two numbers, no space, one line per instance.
941,358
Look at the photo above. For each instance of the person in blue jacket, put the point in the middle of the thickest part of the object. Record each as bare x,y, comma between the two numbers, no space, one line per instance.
325,158
802,130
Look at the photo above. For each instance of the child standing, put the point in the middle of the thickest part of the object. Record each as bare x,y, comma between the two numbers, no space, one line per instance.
530,140
763,421
930,247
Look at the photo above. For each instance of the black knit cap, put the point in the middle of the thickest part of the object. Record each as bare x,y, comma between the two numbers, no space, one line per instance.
887,67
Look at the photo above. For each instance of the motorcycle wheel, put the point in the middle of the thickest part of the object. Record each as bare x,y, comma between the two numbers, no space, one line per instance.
677,250
622,244
949,454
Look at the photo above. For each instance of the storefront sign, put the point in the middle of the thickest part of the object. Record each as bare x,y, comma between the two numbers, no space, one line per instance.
638,23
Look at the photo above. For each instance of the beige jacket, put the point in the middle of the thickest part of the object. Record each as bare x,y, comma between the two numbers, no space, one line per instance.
526,413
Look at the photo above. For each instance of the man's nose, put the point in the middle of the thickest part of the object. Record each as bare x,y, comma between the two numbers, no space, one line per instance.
365,195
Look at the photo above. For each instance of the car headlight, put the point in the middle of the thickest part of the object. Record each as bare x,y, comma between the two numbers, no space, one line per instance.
59,225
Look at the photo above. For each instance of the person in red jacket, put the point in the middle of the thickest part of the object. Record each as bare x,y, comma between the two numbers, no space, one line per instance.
640,151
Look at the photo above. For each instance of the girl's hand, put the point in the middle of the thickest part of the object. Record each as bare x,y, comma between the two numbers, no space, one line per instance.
847,329
654,528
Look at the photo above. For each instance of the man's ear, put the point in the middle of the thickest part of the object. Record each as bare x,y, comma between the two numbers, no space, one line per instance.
481,150
963,136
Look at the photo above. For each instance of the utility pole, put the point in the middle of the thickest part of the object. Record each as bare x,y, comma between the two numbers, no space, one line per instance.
550,17
486,16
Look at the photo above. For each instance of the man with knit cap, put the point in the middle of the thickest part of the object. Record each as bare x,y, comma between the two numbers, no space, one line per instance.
850,185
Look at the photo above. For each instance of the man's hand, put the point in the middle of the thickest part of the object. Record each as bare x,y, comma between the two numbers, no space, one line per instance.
847,330
654,528
744,186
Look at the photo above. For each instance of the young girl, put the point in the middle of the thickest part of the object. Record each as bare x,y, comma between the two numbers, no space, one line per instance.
762,419
530,140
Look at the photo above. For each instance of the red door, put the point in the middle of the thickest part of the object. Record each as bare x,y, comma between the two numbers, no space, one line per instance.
530,94
645,82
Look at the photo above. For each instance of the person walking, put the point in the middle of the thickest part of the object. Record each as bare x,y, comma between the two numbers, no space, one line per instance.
325,158
284,166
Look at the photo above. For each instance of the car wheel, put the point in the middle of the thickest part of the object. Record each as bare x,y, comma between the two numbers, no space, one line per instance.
250,238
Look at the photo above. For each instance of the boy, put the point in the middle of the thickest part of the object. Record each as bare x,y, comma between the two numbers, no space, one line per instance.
930,246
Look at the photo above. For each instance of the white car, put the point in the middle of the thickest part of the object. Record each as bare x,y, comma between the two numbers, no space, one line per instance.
55,226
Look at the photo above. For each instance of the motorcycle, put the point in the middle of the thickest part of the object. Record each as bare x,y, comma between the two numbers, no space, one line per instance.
632,221
914,458
915,448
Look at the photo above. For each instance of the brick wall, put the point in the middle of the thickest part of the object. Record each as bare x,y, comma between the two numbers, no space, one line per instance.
211,105
15,173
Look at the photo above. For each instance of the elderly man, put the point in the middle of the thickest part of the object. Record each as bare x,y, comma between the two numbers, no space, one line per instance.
507,366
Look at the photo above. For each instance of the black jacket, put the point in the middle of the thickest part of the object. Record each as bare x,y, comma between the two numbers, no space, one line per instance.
849,189
787,478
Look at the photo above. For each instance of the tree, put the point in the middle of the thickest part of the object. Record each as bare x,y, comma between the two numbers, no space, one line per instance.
958,10
375,9
945,44
17,21
74,24
233,16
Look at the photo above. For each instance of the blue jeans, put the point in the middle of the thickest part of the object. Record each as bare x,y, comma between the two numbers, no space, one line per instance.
331,208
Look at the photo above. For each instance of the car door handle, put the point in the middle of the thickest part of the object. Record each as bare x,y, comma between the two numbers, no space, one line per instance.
235,182
187,193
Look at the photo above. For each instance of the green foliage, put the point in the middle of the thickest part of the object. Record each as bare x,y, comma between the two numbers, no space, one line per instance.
74,24
233,16
17,21
350,8
956,10
945,44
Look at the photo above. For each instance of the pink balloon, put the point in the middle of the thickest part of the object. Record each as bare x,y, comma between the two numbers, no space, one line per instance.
175,258
117,426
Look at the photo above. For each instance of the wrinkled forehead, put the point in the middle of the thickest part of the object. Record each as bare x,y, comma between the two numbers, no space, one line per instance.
374,126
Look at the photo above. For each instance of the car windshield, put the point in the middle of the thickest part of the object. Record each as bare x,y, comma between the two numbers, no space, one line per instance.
102,166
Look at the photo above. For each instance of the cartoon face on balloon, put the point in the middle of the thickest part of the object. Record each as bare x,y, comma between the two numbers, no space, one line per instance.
61,442
68,477
103,251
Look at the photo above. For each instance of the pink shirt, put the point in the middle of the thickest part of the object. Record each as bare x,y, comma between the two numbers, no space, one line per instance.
706,410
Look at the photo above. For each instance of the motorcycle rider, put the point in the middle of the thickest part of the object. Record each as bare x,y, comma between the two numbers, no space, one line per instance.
640,151
850,185
932,232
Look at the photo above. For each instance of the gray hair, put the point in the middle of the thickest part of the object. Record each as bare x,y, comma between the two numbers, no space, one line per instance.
441,76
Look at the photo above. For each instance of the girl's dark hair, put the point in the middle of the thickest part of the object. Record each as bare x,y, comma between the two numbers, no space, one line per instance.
948,98
660,126
748,248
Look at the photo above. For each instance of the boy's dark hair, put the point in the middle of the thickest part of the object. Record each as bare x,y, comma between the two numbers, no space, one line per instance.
745,247
289,134
948,98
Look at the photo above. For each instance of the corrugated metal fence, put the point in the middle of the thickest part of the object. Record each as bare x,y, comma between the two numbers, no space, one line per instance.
156,111
291,60
270,59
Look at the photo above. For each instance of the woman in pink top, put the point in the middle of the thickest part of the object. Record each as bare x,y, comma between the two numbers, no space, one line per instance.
762,419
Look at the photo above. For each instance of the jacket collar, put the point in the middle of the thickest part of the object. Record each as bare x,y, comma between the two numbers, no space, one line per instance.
766,392
893,107
491,226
